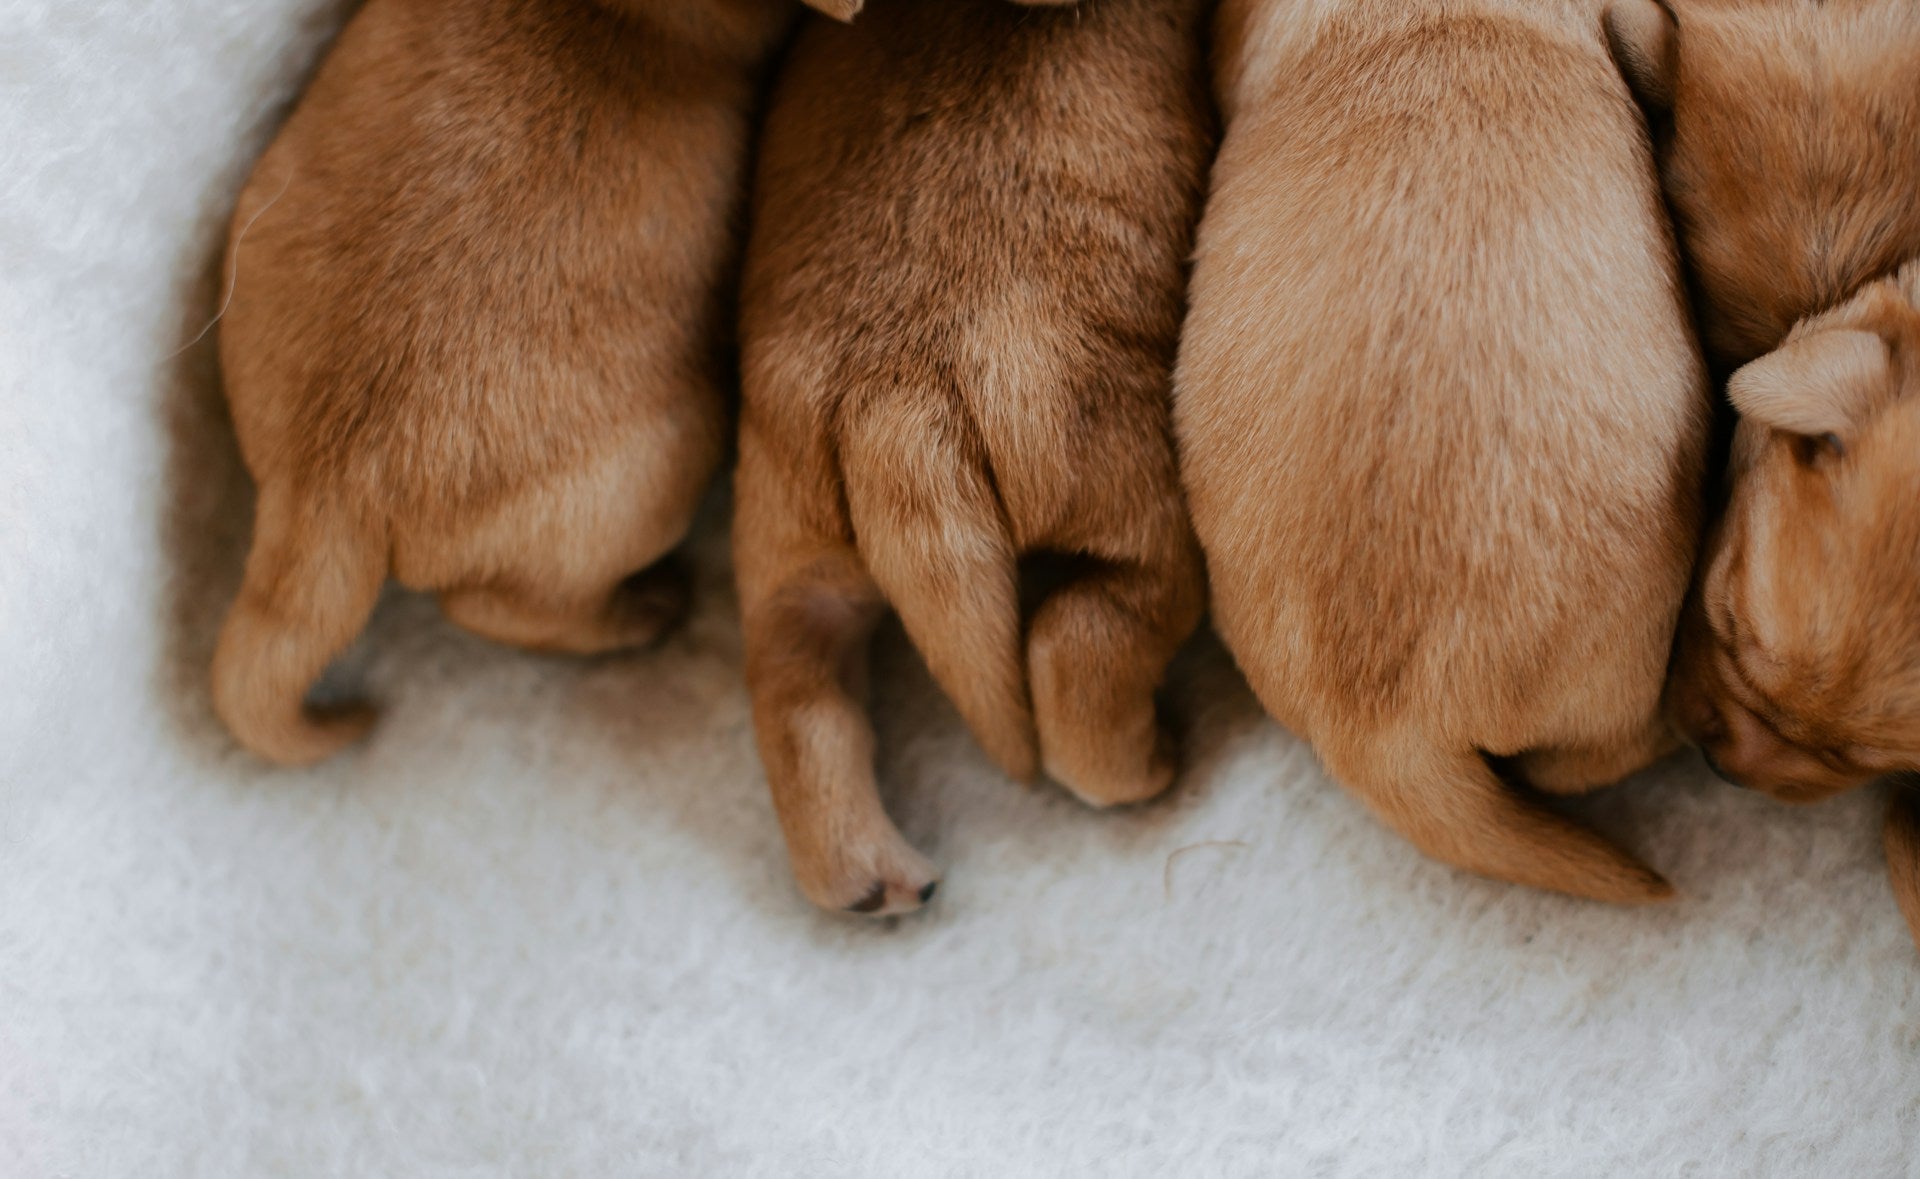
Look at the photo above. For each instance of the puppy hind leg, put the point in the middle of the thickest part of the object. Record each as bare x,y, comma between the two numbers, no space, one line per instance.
1097,650
807,645
1454,808
311,583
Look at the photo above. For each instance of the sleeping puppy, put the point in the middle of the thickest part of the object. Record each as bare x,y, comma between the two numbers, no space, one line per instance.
1793,167
474,332
962,295
1798,669
1799,666
1441,421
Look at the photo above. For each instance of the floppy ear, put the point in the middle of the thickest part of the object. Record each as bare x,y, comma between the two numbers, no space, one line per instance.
1640,35
1814,384
838,9
1902,839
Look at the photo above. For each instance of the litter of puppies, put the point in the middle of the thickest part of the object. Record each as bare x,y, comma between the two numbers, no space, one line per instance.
1393,336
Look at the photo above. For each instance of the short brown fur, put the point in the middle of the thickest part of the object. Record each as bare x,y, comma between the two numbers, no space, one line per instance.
475,334
1793,162
961,301
1441,421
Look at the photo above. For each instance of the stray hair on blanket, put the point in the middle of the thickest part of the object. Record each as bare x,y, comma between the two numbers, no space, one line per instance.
1166,873
233,268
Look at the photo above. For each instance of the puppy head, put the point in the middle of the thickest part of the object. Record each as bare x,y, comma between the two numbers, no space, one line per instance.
1791,149
1798,663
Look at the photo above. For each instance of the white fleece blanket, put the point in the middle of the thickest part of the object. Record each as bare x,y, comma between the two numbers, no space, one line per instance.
541,925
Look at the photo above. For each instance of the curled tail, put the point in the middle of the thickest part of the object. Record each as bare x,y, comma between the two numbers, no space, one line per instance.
1902,838
312,580
932,533
1456,809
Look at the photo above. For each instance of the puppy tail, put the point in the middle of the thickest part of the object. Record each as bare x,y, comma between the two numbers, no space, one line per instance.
935,539
1457,810
312,579
1902,839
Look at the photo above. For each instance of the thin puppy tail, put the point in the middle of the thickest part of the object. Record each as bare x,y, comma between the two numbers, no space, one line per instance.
312,579
932,532
1453,806
1902,839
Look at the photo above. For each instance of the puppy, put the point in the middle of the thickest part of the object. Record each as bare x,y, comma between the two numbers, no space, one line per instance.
474,332
1441,420
1793,168
962,295
1798,669
1799,665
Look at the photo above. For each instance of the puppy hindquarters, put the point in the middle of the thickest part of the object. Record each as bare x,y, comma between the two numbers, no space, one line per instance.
809,609
936,534
1454,808
1477,449
312,578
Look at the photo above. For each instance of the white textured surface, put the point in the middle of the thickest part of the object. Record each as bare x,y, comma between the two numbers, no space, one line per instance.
542,925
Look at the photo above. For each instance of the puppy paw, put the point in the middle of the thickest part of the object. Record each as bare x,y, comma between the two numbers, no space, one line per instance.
1117,784
882,879
322,731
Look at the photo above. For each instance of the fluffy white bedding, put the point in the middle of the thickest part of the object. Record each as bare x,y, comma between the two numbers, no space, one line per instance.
542,924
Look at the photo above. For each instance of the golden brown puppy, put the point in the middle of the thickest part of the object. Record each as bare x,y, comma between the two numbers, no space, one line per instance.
1441,420
1793,167
474,336
1799,667
962,295
1799,659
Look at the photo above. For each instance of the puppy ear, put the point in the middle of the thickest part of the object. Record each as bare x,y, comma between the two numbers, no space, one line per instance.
1640,35
1902,841
838,9
1814,384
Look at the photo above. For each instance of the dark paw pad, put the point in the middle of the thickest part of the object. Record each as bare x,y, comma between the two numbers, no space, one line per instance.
872,902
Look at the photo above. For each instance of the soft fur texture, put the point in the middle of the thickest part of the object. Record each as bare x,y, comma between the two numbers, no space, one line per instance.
962,296
1792,155
474,332
541,923
1441,421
